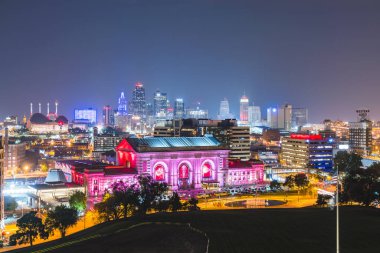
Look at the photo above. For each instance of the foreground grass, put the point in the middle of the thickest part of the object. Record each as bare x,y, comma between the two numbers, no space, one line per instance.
250,230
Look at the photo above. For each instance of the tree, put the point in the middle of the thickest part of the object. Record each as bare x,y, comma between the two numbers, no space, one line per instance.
345,161
290,181
126,197
301,181
275,185
149,191
193,204
362,185
44,166
10,203
29,228
108,209
322,200
61,218
175,202
78,201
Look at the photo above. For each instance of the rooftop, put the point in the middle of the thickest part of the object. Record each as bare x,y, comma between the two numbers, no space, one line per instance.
54,186
174,143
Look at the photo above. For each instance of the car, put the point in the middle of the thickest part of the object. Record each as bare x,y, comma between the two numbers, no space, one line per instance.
15,216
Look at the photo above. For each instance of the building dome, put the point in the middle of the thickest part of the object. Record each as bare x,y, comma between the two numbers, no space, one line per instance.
62,119
38,118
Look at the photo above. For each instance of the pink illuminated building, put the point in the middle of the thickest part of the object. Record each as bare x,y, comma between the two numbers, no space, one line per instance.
184,163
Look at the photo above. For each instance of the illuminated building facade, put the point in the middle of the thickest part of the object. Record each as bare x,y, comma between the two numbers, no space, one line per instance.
254,115
196,113
307,151
108,116
40,124
138,103
86,114
272,117
244,103
122,105
160,104
244,173
285,117
300,117
96,176
224,110
184,163
14,156
179,109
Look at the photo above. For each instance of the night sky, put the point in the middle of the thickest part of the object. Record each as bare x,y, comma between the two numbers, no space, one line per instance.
323,55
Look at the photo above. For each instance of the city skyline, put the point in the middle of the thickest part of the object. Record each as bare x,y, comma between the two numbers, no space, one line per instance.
313,55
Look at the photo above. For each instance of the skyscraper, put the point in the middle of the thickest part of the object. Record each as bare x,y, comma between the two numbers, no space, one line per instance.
160,104
272,117
179,108
360,140
285,117
254,115
138,101
299,117
224,110
108,116
122,105
244,102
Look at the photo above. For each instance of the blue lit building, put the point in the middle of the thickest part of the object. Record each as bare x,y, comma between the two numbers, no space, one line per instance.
85,115
122,105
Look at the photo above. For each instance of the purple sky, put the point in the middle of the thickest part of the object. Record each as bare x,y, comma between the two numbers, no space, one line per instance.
323,55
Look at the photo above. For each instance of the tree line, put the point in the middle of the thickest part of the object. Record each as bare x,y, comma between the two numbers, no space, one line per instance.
122,201
356,183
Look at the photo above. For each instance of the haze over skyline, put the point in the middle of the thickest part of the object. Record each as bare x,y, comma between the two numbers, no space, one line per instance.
321,55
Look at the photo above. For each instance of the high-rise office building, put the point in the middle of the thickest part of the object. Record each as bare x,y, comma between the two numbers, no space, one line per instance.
254,115
272,117
14,157
122,105
307,151
299,117
108,116
138,104
285,117
160,104
179,109
224,110
360,134
244,103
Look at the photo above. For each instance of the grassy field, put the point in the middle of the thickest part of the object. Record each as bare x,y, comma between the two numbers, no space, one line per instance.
249,230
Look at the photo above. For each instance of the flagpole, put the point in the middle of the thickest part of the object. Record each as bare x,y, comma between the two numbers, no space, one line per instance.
337,210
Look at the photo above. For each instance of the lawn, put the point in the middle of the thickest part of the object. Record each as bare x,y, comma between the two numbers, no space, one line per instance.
249,230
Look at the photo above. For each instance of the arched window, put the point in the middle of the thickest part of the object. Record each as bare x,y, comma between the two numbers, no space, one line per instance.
183,171
159,173
206,170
